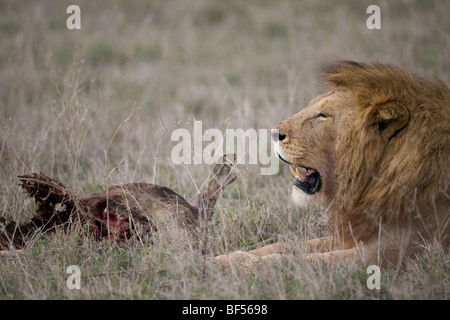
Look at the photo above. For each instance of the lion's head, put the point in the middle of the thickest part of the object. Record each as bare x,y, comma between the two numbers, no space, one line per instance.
374,149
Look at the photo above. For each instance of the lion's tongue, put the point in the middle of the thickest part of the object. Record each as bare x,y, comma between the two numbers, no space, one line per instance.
299,174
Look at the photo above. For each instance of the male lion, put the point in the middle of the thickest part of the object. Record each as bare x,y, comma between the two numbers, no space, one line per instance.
375,150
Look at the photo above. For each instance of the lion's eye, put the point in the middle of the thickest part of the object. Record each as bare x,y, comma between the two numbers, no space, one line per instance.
320,116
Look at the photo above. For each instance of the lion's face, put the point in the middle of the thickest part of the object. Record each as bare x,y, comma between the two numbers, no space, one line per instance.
307,142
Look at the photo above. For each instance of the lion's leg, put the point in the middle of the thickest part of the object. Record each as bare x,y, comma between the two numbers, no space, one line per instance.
247,261
235,258
345,256
319,248
319,245
313,245
250,259
279,247
271,252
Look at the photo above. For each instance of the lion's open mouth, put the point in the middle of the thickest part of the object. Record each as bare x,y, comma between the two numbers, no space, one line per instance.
307,179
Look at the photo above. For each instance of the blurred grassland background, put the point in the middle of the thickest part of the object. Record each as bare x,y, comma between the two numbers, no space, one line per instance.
145,68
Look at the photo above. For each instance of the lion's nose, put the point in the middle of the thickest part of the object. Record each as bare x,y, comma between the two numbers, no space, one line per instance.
277,135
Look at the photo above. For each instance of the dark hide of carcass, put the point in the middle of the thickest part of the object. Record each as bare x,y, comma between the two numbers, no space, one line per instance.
117,213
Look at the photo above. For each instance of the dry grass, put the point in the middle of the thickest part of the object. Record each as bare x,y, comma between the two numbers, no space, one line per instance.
228,63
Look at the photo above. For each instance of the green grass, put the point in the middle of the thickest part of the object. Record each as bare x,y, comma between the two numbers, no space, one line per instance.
230,64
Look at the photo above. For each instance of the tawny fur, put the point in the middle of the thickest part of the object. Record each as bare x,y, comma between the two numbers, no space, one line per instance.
383,154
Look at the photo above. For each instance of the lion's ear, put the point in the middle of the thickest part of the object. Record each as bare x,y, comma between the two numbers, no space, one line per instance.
388,118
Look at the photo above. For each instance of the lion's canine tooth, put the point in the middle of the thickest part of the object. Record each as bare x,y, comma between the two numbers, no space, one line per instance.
297,173
293,171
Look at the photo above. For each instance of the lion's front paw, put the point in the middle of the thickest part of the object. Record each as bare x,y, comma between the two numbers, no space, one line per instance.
237,259
247,262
